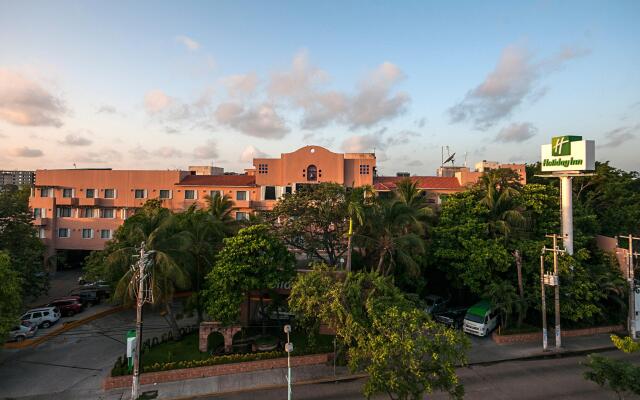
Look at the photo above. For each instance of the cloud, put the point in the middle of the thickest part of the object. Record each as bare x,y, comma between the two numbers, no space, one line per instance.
420,123
513,80
104,156
165,108
164,152
259,121
189,43
26,152
107,109
415,163
209,150
362,143
303,86
516,132
156,101
24,102
618,136
402,137
318,138
250,152
241,85
75,140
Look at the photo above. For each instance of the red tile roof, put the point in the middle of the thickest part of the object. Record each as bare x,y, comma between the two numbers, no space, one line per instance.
387,183
218,180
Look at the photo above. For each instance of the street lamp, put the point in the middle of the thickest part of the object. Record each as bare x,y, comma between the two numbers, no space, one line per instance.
288,348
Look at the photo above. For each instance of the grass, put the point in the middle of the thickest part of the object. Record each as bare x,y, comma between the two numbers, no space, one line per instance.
182,350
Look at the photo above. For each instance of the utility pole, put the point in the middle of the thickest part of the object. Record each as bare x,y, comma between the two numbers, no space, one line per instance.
631,320
544,304
554,280
143,295
288,348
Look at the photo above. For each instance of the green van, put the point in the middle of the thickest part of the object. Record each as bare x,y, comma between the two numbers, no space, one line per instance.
481,319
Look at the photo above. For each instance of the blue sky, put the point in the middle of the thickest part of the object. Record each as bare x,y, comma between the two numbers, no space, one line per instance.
166,85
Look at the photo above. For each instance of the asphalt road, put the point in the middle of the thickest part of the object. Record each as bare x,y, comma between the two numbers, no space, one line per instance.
540,379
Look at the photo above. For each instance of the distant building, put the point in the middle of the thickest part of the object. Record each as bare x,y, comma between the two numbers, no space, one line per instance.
206,170
18,178
433,188
467,177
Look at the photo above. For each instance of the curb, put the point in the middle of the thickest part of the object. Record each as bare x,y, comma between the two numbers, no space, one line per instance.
543,356
67,327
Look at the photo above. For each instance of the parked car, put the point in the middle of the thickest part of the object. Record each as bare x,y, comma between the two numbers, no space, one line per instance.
435,304
453,317
87,296
43,317
68,306
23,331
480,319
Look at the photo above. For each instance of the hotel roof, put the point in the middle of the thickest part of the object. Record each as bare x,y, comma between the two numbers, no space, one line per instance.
218,180
388,183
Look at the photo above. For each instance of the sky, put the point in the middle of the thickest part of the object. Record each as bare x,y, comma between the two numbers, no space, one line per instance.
165,85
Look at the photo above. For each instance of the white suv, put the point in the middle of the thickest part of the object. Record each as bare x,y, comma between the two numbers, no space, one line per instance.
43,317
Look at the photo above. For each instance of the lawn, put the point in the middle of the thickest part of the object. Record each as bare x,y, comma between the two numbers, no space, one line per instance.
181,350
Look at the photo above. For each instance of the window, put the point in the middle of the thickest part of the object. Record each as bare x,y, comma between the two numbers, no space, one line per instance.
270,193
67,192
87,233
287,190
213,193
242,216
190,194
263,168
42,233
37,213
140,194
241,195
64,212
90,194
105,234
312,173
165,194
107,213
109,193
36,315
86,212
63,232
44,192
364,169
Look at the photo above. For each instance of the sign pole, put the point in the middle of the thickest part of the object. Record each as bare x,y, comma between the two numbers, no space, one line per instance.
544,304
567,212
557,292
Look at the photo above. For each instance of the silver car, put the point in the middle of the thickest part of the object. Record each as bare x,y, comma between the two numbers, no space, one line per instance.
43,317
23,331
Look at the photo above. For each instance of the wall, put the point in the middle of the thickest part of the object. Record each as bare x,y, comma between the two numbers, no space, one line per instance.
537,336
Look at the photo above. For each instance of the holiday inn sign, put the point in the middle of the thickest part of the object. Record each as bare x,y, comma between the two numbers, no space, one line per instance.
568,153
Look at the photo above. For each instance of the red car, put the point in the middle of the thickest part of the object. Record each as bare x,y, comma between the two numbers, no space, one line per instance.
68,306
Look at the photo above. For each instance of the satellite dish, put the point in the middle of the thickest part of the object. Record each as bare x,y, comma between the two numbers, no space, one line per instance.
449,159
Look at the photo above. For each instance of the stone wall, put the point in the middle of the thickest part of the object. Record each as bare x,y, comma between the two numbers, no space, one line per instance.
214,370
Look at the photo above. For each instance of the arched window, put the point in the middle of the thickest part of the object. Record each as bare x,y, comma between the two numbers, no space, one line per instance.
312,173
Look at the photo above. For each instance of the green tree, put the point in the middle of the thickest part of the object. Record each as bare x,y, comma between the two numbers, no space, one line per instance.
18,238
220,208
619,375
10,296
315,219
156,228
403,351
251,260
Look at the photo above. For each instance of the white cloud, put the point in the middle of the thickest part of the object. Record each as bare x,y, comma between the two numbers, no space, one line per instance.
516,132
164,152
189,43
362,143
26,152
107,109
241,85
513,80
618,136
209,150
402,137
75,140
24,102
250,152
415,163
104,156
156,101
260,121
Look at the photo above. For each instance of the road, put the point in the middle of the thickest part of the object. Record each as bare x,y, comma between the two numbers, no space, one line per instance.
540,379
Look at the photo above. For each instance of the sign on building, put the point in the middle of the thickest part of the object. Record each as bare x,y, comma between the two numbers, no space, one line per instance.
568,153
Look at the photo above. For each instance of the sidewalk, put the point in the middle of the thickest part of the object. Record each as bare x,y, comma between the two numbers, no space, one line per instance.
486,351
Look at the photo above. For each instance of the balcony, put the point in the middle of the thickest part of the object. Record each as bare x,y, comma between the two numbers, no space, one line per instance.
262,205
41,221
87,202
67,201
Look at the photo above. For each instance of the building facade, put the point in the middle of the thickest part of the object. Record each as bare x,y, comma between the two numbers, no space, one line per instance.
18,178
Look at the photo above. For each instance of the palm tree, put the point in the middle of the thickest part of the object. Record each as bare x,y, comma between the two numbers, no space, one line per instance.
392,237
504,214
356,203
156,228
220,207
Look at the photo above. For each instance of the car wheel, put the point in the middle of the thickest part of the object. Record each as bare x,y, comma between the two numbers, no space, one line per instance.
46,324
19,339
71,313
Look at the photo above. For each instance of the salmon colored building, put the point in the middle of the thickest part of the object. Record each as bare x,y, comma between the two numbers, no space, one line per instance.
80,209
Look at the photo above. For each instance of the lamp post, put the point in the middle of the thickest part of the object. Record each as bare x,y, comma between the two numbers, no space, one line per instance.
288,348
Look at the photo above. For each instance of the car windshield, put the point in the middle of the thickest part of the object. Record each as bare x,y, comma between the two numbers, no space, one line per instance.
474,318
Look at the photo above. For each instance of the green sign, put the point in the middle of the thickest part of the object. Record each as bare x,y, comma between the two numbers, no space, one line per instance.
561,145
